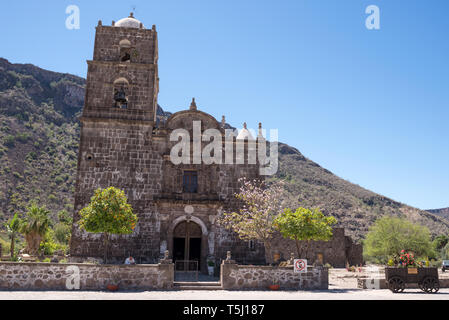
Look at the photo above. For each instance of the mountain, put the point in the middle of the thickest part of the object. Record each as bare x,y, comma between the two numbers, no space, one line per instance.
443,213
39,136
310,185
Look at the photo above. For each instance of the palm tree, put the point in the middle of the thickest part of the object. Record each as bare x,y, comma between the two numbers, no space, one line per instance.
34,227
13,227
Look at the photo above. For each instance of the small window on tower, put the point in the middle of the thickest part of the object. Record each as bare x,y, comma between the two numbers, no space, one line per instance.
190,182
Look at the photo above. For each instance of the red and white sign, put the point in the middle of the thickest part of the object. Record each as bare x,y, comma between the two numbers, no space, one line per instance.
300,265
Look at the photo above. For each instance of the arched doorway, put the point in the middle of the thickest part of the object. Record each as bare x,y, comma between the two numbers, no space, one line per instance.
187,241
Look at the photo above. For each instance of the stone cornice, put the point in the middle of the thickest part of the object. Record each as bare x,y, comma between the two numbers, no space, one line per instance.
189,202
151,66
84,119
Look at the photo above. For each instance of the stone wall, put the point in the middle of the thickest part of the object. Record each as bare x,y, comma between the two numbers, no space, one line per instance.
55,276
239,277
338,251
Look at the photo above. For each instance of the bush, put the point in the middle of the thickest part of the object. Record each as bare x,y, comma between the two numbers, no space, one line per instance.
31,155
49,245
17,175
22,137
388,236
6,246
9,141
59,180
62,233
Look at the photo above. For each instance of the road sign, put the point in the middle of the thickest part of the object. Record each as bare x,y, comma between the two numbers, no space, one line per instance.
300,265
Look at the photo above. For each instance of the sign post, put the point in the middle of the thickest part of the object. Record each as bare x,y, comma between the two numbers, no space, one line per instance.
300,265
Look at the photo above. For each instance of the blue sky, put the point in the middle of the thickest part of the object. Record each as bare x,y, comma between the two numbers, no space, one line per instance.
369,105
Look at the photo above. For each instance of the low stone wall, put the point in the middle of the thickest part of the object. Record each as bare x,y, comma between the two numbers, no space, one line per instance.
238,277
72,276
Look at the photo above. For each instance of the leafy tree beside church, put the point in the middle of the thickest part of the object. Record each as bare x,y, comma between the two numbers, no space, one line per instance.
305,225
108,213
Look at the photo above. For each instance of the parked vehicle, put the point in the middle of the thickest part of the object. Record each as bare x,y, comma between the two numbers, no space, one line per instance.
445,265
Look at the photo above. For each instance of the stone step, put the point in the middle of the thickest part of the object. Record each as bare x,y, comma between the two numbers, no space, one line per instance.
198,287
197,283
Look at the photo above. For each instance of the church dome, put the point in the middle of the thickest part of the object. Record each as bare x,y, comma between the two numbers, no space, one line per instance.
129,22
245,134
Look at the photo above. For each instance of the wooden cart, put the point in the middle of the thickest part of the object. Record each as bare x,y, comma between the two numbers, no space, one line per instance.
426,278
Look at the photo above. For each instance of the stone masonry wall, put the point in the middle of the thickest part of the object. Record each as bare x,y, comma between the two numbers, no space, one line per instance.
338,251
238,277
118,156
53,276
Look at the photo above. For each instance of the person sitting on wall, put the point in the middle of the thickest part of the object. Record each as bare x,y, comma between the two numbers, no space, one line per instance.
277,259
130,260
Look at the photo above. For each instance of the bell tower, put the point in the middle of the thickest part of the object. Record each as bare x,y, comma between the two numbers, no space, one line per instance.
122,78
116,147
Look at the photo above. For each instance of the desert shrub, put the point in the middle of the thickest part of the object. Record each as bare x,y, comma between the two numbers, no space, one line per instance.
9,141
440,242
31,155
6,246
49,245
62,233
17,175
388,236
22,137
59,180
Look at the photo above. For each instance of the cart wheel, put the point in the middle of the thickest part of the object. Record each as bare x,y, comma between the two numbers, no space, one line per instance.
396,284
430,285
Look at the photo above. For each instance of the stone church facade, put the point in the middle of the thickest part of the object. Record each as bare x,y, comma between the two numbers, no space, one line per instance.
125,144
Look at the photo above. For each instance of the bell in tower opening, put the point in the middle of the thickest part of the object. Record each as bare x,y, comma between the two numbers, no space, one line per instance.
121,101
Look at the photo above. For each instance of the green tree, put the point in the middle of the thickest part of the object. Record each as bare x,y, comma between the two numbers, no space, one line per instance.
13,228
444,252
108,213
440,242
305,225
389,235
34,227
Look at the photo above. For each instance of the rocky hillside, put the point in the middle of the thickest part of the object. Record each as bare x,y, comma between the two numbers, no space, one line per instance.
355,208
443,213
39,134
